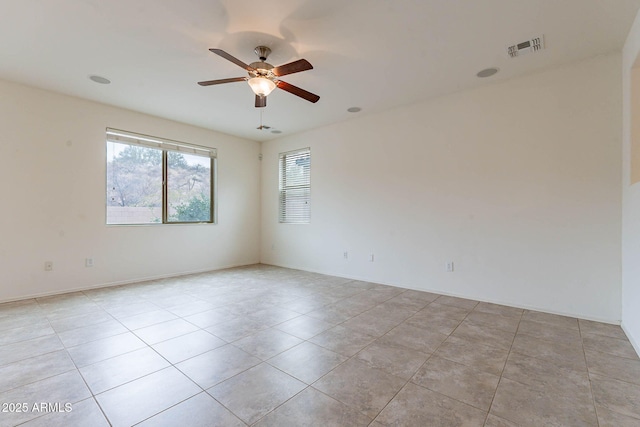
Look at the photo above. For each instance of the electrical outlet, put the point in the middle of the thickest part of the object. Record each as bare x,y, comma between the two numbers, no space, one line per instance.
371,258
449,267
48,266
346,255
88,262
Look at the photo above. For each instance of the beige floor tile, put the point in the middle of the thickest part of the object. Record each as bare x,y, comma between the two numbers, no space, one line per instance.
502,310
545,375
235,329
436,309
493,421
165,331
617,396
498,321
307,362
409,302
73,310
460,382
267,343
110,373
433,322
471,353
273,316
332,314
597,328
365,340
414,338
149,318
184,347
191,308
24,333
256,392
484,334
87,334
36,368
215,366
457,302
354,305
371,324
87,319
312,408
130,308
210,317
365,389
304,327
616,367
24,349
398,361
570,356
550,319
138,400
22,322
549,332
343,340
305,305
419,295
417,406
614,346
105,348
201,410
531,407
608,418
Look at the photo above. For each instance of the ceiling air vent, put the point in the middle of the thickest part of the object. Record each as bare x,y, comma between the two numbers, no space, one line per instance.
535,44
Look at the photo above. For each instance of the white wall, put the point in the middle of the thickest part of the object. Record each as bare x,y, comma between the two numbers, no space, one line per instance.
630,199
52,192
518,183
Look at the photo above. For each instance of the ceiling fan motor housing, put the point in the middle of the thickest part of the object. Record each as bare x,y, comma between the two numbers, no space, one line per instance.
261,69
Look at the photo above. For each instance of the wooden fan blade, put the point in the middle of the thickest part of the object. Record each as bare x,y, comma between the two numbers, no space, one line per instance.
292,67
297,91
233,59
261,101
220,81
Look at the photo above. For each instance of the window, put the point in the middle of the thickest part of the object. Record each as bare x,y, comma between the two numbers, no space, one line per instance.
295,187
154,180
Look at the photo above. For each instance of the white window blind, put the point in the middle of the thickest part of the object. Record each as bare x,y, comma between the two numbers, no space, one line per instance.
115,135
295,186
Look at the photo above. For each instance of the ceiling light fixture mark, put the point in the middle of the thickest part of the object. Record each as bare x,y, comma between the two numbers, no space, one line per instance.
354,109
487,72
99,79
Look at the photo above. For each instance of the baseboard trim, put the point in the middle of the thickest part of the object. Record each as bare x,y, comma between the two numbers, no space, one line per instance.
124,282
440,292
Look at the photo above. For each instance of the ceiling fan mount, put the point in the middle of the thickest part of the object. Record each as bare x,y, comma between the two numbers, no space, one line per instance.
262,68
263,52
263,77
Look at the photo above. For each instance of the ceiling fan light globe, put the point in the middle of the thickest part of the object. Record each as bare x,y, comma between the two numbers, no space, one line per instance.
261,86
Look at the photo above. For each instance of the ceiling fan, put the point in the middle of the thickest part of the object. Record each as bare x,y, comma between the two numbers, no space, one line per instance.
263,77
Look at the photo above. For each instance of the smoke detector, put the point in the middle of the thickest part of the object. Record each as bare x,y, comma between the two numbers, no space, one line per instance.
535,44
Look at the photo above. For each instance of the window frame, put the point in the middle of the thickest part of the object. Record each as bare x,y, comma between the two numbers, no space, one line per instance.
165,146
283,188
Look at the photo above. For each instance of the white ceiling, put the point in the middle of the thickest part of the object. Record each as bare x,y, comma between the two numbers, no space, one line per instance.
374,54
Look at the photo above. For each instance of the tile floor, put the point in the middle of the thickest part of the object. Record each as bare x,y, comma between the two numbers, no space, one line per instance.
268,346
